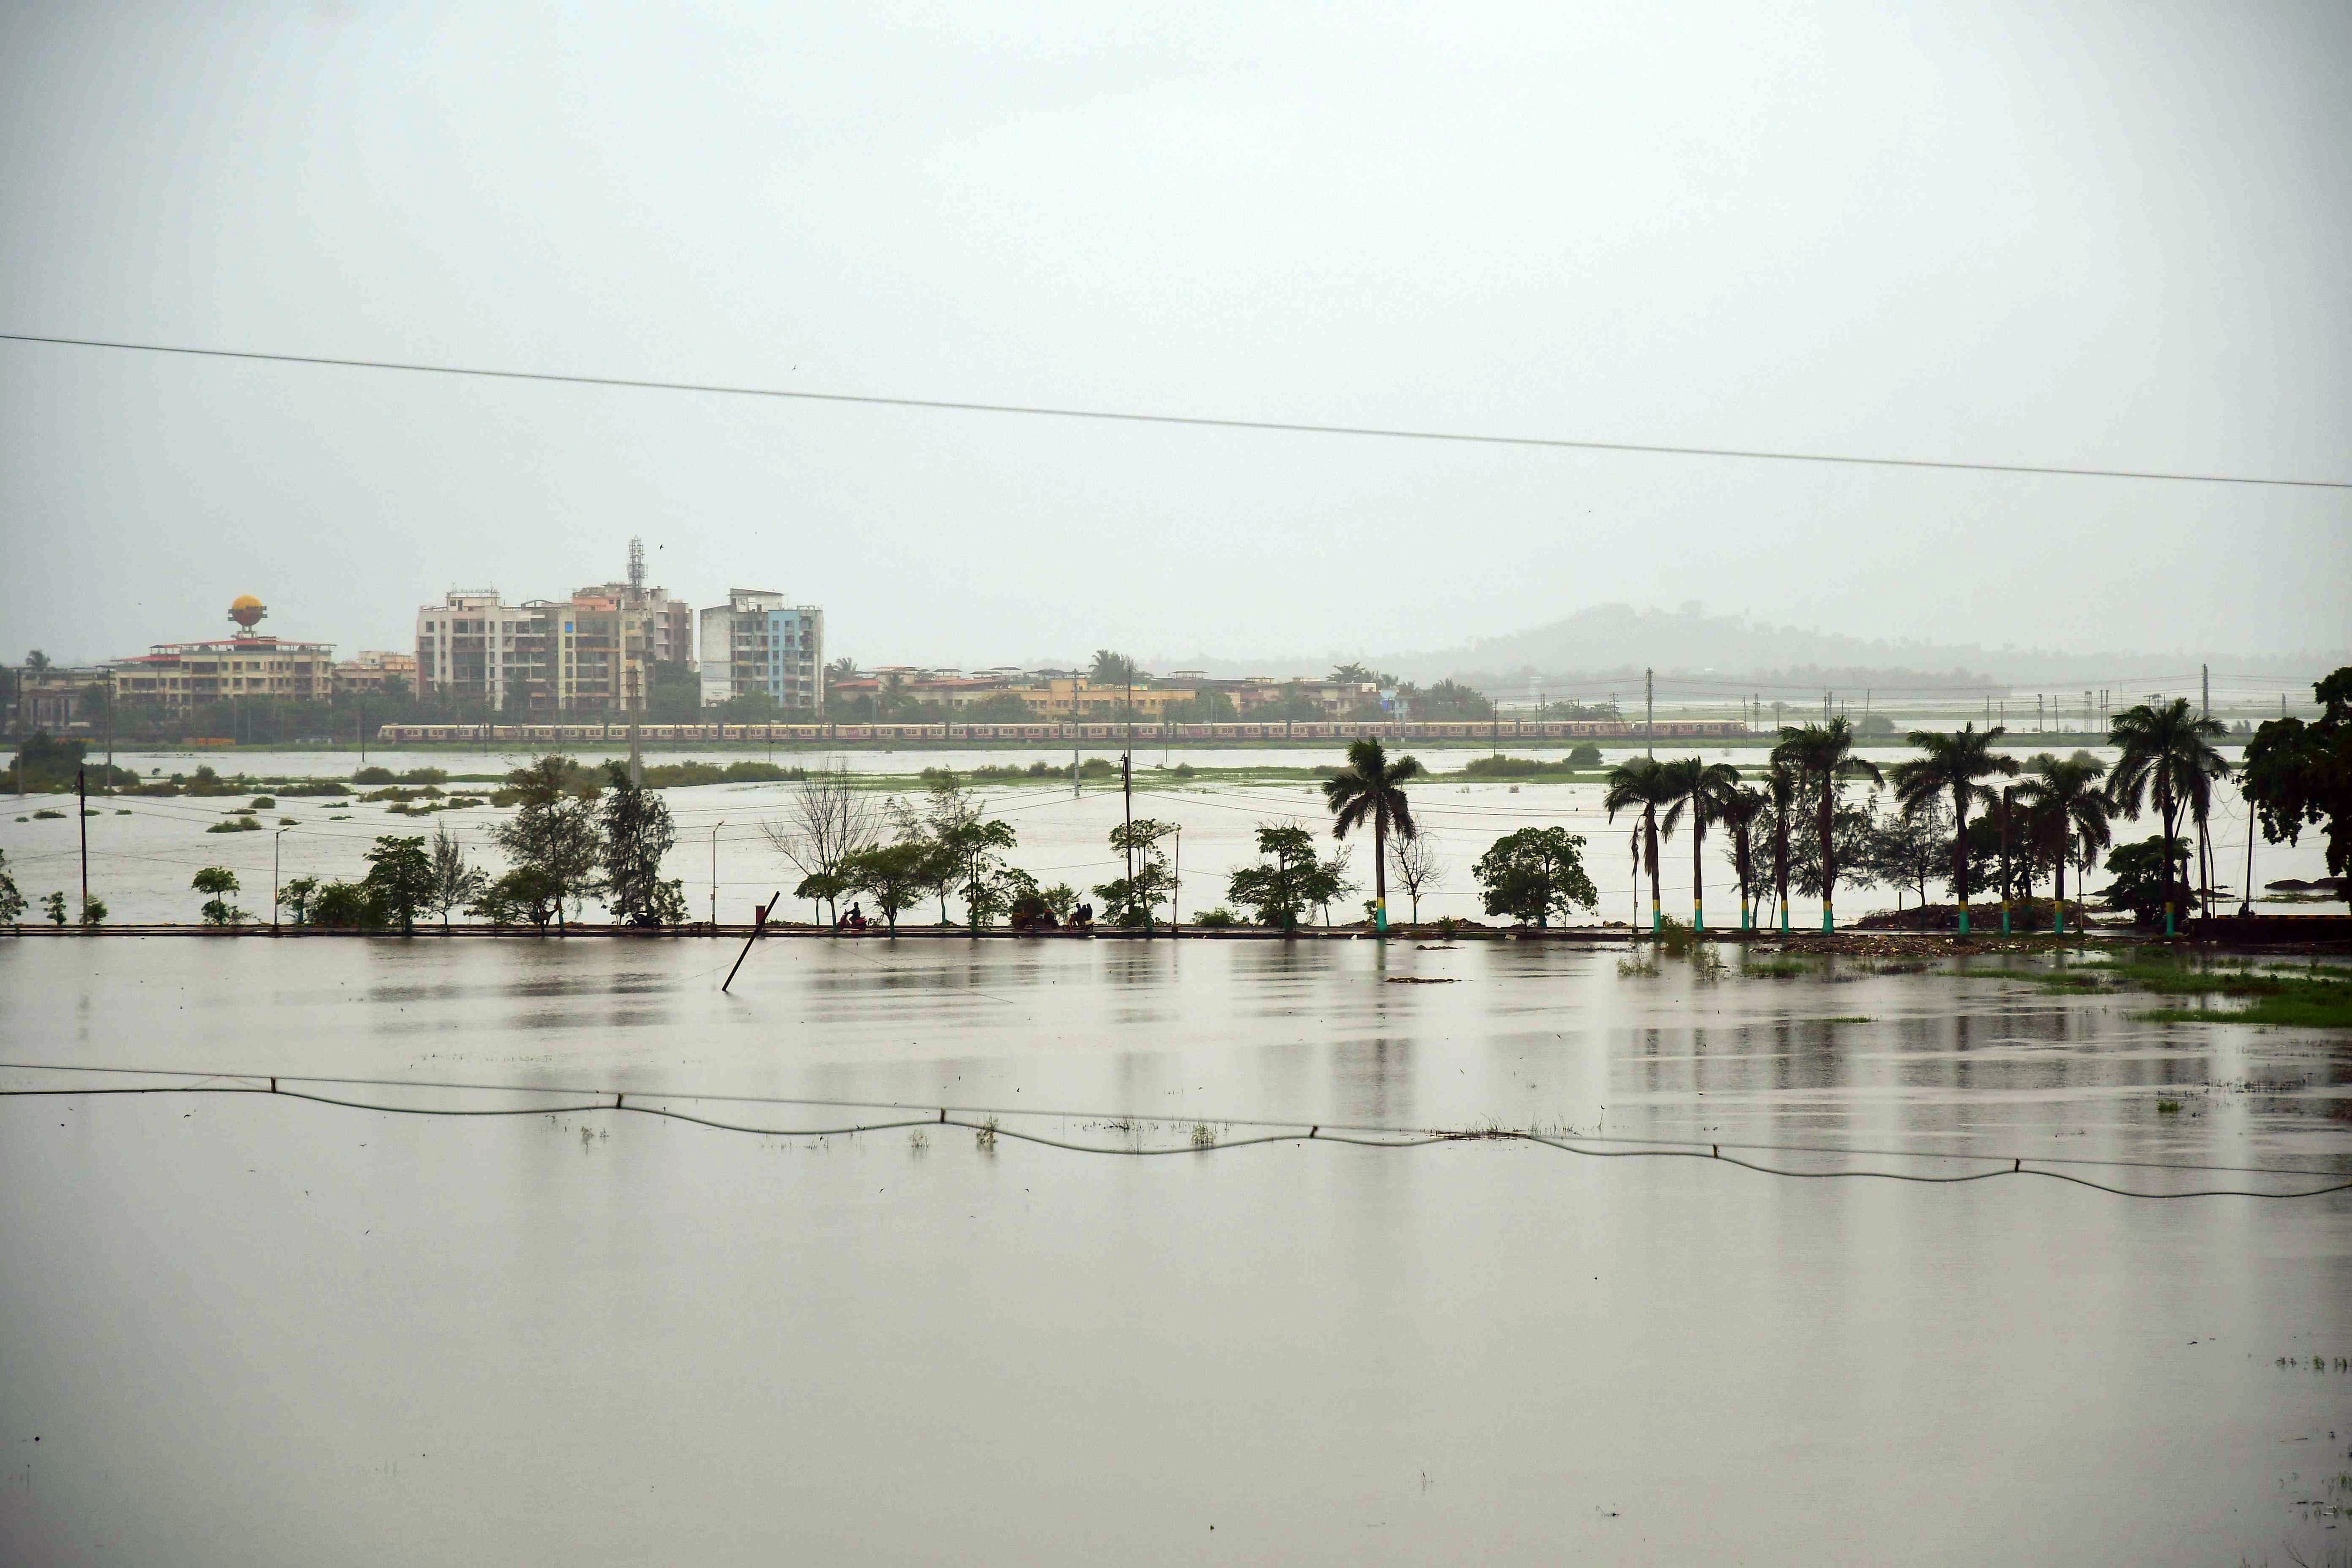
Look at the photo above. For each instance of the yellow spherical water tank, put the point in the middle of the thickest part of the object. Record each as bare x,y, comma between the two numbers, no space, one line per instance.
247,611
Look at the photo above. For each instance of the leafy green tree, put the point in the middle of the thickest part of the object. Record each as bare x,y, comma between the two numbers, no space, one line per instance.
677,694
1111,668
219,884
1823,754
2168,753
949,825
1004,708
2300,775
399,880
988,885
1910,850
747,708
2147,877
12,901
1535,874
1698,788
893,875
637,834
455,882
1446,700
297,896
999,889
830,817
1287,881
1205,706
54,907
1061,898
2064,800
1586,755
824,888
1371,789
1641,783
346,906
554,833
525,894
93,911
1129,900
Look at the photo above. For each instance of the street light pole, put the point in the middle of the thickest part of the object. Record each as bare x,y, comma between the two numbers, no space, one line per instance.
273,877
714,874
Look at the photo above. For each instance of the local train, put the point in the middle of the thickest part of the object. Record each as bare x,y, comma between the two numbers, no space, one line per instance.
1495,731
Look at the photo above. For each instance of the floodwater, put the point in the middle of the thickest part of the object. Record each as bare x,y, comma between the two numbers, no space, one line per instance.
240,1329
144,851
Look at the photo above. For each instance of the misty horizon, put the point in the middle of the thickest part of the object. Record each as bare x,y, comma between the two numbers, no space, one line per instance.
1966,236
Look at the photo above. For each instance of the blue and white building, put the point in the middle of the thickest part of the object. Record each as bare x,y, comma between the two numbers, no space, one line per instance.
757,641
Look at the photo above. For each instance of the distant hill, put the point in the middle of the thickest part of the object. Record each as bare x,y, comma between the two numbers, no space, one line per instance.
1614,643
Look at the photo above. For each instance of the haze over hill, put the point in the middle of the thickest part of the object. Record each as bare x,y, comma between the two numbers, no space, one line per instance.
1610,644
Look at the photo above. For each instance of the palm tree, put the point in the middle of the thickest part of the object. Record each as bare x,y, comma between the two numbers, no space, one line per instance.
1957,764
2168,753
1371,788
1780,783
1699,786
1823,754
2067,794
1640,782
1738,810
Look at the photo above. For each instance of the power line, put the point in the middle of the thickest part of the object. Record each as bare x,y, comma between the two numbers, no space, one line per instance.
1283,426
1392,1138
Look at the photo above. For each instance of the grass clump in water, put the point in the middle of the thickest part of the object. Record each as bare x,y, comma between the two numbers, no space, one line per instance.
2318,996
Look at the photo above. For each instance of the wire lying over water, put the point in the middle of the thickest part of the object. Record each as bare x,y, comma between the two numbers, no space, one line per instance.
1202,1140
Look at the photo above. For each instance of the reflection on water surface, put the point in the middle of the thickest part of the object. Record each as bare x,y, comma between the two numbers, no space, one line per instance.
405,1338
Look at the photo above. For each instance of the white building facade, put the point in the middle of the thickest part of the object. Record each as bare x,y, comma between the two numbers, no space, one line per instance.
472,645
758,642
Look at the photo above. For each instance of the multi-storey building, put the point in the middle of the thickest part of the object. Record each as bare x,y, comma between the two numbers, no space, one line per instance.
372,671
757,641
56,700
598,655
668,622
473,647
176,677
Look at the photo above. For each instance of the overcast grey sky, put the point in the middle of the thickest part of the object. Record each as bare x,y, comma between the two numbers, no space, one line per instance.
2102,235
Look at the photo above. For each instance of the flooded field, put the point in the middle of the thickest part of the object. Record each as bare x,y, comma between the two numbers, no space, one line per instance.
144,850
245,1329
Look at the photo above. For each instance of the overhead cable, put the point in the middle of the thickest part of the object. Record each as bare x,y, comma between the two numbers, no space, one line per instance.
1197,421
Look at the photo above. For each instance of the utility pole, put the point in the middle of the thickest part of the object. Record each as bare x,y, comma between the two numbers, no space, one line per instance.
273,877
714,874
2205,684
81,814
363,728
1074,773
1176,894
1649,712
2246,894
1127,787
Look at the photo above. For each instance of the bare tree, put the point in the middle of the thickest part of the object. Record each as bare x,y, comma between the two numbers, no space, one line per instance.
828,820
1420,865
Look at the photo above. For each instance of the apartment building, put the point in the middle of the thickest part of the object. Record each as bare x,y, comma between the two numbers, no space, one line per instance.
667,626
475,646
57,700
176,677
759,642
372,671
